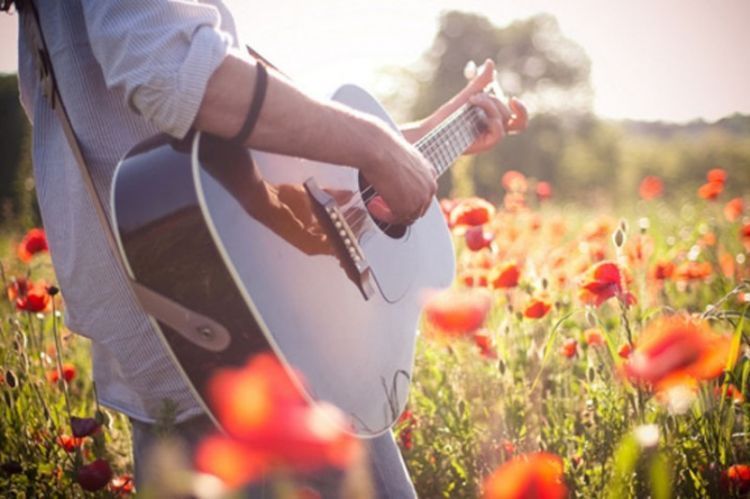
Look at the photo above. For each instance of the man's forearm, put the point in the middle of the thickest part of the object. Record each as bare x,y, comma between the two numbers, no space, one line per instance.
290,122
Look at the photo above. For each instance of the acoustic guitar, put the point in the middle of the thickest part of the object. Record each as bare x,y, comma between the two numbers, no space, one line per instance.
246,252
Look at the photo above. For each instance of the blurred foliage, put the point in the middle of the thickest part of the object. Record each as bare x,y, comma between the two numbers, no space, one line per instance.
587,159
17,204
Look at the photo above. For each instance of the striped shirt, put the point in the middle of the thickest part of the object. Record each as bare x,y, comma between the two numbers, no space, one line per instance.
126,70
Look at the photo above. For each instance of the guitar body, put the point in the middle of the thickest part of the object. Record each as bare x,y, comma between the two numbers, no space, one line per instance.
251,243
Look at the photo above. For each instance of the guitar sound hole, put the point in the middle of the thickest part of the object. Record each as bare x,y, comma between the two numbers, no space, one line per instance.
396,231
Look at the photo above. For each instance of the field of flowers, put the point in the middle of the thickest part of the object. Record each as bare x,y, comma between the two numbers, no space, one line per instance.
578,354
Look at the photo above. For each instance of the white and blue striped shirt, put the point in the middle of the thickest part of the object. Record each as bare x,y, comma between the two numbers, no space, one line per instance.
126,70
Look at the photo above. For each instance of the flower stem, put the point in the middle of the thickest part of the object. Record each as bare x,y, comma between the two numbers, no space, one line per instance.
60,374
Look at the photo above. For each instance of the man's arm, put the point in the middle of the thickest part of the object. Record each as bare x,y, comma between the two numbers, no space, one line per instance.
290,122
173,65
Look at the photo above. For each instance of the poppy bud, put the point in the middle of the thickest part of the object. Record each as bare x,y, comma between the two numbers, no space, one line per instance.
619,237
501,366
591,374
94,476
83,427
10,379
591,318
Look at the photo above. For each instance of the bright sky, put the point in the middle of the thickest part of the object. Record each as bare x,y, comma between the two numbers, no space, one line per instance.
651,59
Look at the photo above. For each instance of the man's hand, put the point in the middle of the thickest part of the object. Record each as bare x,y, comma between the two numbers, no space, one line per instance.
500,119
404,181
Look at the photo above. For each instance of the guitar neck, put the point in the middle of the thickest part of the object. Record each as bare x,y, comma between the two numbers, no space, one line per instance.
451,138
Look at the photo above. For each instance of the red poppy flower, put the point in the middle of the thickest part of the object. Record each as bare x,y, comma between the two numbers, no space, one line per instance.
537,309
543,191
406,424
662,271
710,191
605,280
625,350
68,443
594,337
69,373
474,277
32,243
505,275
477,238
230,460
569,348
732,392
456,312
693,271
601,228
733,209
122,485
726,264
268,425
471,211
737,478
708,239
674,348
30,296
483,340
514,181
538,475
745,236
509,448
94,476
651,187
717,176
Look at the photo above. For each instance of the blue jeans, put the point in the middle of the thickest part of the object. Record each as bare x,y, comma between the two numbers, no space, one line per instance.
388,471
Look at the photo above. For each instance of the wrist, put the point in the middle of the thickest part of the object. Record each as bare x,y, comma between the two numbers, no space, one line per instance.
379,142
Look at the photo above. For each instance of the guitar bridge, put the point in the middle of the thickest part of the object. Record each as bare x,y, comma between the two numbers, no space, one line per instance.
344,232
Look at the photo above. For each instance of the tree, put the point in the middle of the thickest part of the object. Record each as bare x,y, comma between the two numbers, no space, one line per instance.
535,61
16,183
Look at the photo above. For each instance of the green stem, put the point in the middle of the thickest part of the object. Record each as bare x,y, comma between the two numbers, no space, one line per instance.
58,360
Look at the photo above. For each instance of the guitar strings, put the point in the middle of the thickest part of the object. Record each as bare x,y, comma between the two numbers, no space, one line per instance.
431,145
440,153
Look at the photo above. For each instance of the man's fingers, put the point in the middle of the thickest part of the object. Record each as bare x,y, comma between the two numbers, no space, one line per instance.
479,82
492,106
520,118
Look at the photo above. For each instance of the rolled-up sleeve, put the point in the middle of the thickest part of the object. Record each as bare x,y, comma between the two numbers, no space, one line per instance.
159,53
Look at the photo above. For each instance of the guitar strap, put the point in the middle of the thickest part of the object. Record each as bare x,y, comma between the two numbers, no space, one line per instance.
197,328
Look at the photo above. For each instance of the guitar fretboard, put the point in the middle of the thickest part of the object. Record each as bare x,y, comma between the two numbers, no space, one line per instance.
450,139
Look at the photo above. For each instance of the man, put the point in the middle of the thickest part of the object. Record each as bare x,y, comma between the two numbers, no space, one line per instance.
130,69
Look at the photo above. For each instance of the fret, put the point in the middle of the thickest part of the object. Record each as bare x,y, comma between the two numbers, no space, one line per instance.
451,138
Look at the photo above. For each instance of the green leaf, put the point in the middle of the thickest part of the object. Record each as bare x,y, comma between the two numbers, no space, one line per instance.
625,459
661,477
